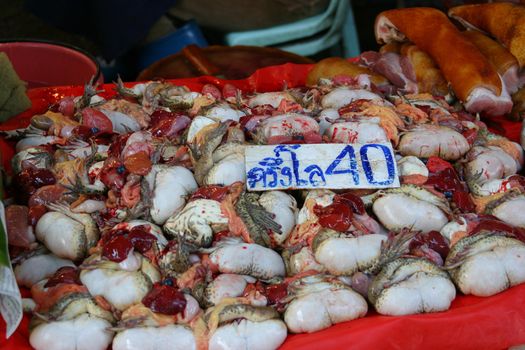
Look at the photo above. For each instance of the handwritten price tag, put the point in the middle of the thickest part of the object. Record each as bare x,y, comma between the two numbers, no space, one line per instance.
333,166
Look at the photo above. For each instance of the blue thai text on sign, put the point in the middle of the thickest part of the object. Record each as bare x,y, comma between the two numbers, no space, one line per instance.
332,166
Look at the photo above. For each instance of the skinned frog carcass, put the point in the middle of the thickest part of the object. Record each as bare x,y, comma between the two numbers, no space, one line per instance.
67,317
234,324
120,270
162,320
169,186
486,257
229,285
66,234
427,140
231,255
287,128
36,266
411,206
334,234
217,164
407,277
316,302
197,222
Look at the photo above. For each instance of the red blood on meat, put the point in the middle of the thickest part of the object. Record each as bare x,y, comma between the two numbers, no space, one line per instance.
171,126
229,91
65,274
159,115
464,201
517,178
35,213
343,79
444,178
312,137
214,192
491,223
263,110
141,239
354,106
165,299
94,118
287,106
355,202
117,145
433,240
212,90
163,127
276,292
66,106
29,180
425,108
117,248
470,135
220,235
18,231
47,194
83,132
113,173
436,164
336,216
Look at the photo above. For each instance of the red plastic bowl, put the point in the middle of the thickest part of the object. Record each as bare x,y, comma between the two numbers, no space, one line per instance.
48,64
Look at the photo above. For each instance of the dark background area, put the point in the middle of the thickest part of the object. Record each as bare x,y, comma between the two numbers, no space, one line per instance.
118,29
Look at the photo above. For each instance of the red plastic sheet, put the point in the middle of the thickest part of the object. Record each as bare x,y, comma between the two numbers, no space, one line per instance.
497,322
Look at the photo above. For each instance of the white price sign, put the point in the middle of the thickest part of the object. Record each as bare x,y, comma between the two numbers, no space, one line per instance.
331,166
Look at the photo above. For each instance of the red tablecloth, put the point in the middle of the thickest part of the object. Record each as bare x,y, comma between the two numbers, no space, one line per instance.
496,322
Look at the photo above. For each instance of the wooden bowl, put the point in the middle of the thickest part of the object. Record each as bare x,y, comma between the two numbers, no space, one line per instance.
232,62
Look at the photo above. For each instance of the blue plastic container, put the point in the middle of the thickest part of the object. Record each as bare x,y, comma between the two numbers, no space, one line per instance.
170,44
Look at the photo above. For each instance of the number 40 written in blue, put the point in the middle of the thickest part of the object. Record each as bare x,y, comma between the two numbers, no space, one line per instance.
348,154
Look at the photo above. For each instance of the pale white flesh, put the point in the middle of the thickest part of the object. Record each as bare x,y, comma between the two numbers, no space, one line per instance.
223,112
171,337
122,123
453,227
429,140
227,171
340,97
321,197
327,117
491,163
484,100
287,124
492,271
197,220
512,211
420,293
411,165
39,267
226,285
265,335
396,211
344,256
273,99
62,235
315,311
356,132
120,288
84,332
34,141
248,259
191,311
197,124
284,208
304,260
172,186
